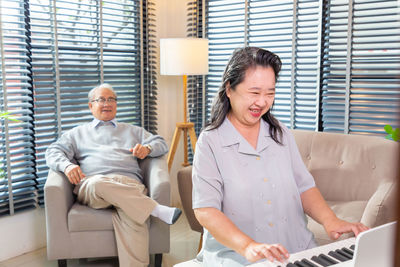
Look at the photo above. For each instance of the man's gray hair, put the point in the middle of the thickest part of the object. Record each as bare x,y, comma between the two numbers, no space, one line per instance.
101,86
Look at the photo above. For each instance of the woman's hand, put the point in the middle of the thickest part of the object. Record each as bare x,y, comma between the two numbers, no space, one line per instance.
335,228
257,251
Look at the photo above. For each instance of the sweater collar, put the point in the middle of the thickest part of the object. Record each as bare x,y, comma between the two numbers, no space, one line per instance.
98,123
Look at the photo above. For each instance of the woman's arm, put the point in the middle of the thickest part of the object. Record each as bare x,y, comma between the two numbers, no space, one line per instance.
316,207
226,232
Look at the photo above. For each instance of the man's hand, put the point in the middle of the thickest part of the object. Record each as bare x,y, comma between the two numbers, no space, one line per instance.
337,227
140,151
74,174
257,251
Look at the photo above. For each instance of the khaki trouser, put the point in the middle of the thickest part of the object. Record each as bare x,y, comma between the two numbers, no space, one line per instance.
132,208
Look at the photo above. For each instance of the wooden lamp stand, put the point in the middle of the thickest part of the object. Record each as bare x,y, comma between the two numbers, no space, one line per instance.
187,128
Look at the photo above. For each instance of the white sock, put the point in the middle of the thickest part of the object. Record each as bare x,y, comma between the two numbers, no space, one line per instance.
165,213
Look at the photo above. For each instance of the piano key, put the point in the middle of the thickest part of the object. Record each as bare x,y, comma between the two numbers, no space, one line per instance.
344,254
300,264
337,256
328,259
348,251
309,263
291,265
321,261
353,247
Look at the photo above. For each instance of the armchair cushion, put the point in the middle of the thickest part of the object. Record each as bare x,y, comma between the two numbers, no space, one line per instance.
84,218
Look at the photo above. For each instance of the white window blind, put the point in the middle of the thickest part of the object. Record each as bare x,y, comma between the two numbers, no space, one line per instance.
17,181
225,30
341,59
361,73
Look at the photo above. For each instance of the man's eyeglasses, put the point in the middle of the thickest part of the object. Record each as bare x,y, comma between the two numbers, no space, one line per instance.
102,101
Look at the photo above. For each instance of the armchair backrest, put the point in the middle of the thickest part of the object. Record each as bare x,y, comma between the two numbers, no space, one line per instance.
348,167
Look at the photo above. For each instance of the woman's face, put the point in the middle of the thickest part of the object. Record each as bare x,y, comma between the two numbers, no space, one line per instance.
253,97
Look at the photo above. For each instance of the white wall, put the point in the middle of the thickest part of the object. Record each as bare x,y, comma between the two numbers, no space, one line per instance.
21,233
26,231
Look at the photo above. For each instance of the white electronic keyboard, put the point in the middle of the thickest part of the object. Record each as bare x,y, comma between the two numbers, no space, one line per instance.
328,255
372,248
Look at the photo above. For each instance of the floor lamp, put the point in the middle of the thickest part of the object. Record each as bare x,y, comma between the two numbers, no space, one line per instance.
183,56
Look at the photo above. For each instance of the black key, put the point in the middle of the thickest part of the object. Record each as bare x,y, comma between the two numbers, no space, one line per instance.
320,261
337,256
344,254
309,263
328,259
300,264
348,251
290,265
353,247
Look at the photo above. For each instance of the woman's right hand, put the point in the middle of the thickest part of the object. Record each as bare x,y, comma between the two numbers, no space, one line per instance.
257,251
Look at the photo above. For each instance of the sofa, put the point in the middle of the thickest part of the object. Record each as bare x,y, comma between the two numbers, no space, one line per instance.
78,231
356,174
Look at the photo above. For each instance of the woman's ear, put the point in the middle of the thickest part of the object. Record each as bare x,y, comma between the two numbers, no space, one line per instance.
228,89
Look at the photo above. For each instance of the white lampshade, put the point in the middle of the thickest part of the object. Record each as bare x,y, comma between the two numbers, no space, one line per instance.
183,56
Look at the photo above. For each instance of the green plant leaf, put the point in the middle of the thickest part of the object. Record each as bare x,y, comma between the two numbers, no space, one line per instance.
388,128
6,115
396,134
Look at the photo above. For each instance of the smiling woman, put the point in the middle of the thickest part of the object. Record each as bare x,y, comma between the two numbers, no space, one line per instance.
251,189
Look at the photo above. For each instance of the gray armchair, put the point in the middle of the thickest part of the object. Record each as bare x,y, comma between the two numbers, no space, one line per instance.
78,231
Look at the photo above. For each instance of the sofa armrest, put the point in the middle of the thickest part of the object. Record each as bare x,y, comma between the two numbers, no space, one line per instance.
58,199
156,179
381,206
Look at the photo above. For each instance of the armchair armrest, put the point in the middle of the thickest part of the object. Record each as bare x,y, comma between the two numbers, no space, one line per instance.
156,179
380,208
58,198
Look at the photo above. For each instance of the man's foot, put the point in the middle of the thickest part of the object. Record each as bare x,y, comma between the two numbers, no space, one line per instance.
167,214
177,214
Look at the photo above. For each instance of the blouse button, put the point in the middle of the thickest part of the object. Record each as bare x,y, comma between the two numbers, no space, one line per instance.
271,224
265,179
269,202
257,158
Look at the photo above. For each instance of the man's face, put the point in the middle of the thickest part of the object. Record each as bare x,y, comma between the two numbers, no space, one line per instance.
107,110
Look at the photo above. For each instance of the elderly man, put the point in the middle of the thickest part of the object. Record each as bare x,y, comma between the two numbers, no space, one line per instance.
100,159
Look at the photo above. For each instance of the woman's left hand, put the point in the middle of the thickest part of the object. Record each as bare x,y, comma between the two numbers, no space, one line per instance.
337,227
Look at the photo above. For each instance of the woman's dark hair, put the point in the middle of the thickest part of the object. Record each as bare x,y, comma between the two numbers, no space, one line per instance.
241,60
